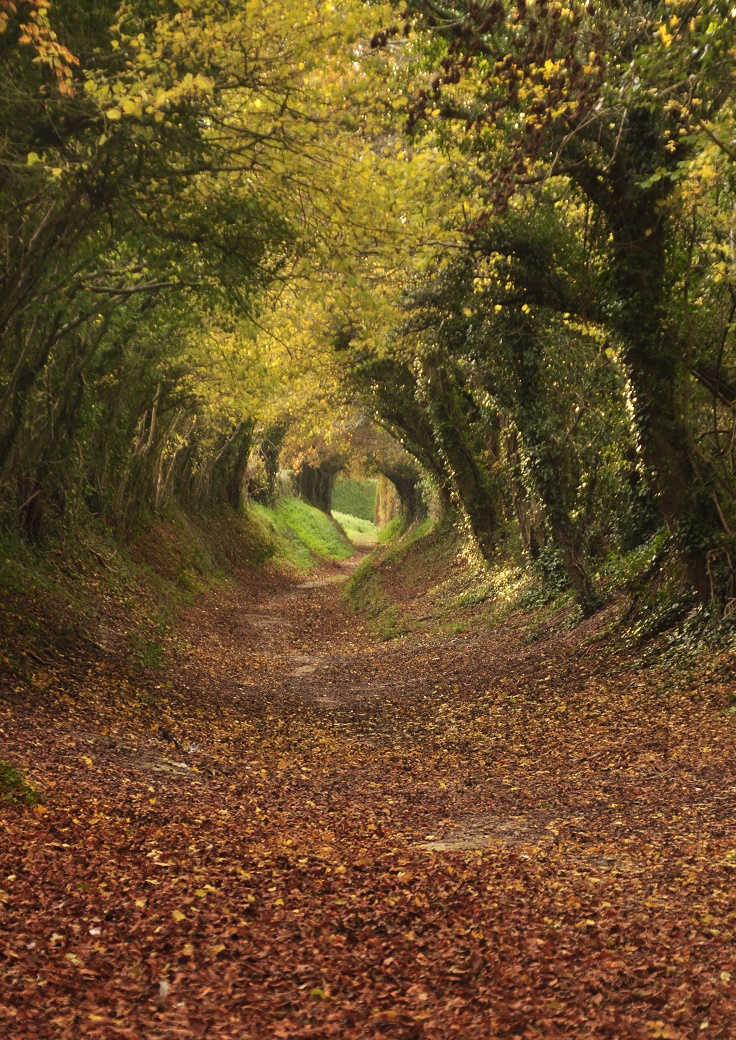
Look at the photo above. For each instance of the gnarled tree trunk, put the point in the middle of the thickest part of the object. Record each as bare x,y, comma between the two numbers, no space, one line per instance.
314,483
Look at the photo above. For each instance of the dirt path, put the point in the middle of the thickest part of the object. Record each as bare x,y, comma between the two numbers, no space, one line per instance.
435,837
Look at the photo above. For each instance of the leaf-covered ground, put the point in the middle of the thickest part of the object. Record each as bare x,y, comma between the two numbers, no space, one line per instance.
432,837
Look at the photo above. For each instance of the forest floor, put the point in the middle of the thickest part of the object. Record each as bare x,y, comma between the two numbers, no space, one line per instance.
448,834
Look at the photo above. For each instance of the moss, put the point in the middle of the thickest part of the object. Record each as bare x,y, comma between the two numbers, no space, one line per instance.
364,593
148,652
14,787
391,531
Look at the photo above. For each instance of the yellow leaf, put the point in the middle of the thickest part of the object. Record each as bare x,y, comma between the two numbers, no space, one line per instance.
661,1031
178,915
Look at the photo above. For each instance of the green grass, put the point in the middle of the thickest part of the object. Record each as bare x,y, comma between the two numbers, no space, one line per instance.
303,536
355,497
288,548
359,531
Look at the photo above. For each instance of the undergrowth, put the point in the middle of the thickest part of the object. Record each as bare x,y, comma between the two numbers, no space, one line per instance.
429,574
663,622
548,582
421,549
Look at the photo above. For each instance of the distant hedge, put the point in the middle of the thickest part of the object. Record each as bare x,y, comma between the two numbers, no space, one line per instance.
355,497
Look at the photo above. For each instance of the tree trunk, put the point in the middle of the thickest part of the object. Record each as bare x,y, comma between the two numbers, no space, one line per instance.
529,511
472,485
549,470
314,483
655,365
407,479
271,443
553,468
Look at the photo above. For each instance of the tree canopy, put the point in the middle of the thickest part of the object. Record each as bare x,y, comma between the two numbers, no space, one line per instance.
485,248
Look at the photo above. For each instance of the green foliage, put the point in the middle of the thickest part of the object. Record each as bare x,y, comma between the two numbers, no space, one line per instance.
355,498
14,788
627,146
549,579
704,634
147,205
632,571
198,214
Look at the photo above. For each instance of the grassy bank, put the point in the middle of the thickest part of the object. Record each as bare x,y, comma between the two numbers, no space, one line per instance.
88,597
359,531
376,587
427,582
302,536
89,600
